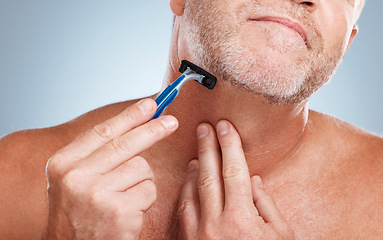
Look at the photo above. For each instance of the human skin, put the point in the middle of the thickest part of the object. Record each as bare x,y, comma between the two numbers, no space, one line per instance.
324,176
248,46
220,200
116,192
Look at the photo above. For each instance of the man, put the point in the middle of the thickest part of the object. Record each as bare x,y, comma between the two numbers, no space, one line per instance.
265,167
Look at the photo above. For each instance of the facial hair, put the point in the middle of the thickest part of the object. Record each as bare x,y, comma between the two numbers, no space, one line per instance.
283,70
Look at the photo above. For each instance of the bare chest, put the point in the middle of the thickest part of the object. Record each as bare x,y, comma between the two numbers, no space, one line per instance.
313,212
343,209
161,220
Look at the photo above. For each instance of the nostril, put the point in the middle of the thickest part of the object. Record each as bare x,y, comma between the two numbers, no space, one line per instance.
308,3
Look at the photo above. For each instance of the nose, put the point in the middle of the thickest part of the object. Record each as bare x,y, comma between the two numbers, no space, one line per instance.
310,5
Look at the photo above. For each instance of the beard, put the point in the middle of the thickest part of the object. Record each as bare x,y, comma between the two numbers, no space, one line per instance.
263,58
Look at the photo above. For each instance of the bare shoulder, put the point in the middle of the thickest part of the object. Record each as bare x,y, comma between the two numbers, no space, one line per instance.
358,176
347,138
22,181
23,157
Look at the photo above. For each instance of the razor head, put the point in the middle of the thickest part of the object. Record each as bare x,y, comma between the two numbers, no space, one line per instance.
208,81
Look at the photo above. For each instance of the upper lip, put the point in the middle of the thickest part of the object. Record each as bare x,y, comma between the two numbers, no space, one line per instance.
294,25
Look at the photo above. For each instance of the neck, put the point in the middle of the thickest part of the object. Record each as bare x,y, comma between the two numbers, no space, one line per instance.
271,134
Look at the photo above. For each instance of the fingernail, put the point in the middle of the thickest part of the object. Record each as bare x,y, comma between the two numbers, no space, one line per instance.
192,166
223,128
202,131
145,106
169,122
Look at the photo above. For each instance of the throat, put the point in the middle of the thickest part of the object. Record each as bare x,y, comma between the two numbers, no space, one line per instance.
270,134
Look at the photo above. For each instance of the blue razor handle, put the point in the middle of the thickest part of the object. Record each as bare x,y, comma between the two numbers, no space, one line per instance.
189,72
167,96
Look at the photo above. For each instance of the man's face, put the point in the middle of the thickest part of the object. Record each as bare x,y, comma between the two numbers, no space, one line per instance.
282,49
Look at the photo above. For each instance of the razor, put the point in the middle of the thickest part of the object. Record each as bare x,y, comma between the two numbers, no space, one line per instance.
189,71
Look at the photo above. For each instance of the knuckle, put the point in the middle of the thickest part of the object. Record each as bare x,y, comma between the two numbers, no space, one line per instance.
103,131
128,116
227,144
154,129
57,166
204,150
184,206
121,144
53,168
206,180
232,170
98,198
71,179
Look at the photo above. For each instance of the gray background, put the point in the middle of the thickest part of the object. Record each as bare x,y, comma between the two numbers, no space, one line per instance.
60,59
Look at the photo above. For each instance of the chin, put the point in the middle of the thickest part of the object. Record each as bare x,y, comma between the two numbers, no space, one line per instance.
269,61
279,77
